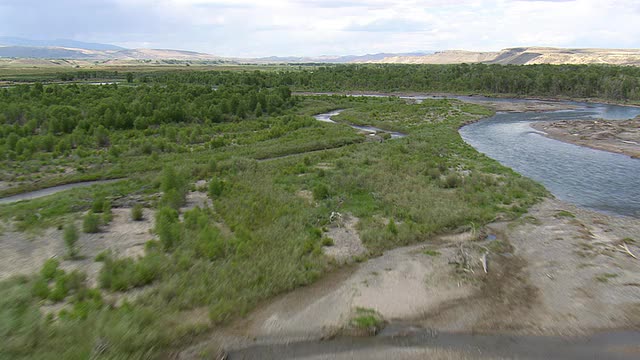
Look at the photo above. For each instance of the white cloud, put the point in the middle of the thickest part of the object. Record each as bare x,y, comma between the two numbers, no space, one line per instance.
315,27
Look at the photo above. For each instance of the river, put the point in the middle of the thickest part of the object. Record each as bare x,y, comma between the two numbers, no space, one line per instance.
586,177
594,179
51,190
590,178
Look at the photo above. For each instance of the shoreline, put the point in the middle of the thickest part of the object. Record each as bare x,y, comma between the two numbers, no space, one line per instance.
479,95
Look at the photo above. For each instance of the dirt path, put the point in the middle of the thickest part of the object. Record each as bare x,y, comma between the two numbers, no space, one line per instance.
615,136
559,270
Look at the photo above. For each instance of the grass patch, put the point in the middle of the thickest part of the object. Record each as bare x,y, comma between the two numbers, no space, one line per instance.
366,320
431,252
564,214
603,278
629,241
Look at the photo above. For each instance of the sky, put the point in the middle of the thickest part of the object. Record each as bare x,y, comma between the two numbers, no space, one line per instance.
253,28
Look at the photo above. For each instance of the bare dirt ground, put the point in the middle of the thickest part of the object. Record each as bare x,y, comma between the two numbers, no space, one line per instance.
559,270
346,241
538,105
614,136
524,106
24,253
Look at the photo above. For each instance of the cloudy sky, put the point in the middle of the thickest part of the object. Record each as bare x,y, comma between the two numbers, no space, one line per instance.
317,27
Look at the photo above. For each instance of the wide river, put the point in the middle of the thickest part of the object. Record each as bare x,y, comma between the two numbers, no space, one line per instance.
589,178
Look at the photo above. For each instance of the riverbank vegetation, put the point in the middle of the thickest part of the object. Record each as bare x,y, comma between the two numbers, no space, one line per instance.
256,235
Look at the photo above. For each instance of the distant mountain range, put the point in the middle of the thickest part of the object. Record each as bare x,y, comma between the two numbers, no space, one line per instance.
336,59
18,48
59,43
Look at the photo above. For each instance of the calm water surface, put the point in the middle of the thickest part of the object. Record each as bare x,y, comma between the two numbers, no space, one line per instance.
586,177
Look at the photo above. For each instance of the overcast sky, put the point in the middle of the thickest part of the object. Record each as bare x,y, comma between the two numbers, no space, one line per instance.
317,27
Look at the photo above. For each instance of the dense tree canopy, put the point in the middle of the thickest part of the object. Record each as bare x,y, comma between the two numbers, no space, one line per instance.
583,81
32,117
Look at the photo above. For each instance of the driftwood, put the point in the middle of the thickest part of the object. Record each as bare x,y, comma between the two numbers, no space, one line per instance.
626,249
483,259
335,216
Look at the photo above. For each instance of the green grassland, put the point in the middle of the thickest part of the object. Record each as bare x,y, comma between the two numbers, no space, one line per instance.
256,163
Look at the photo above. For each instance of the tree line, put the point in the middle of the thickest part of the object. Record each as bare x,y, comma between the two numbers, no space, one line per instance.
577,81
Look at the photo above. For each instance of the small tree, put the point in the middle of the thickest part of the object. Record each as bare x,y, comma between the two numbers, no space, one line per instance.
71,239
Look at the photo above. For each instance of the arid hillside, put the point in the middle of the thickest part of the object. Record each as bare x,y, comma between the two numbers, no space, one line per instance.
524,56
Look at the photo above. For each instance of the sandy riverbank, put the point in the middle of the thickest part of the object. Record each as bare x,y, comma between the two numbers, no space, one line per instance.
559,270
524,105
615,136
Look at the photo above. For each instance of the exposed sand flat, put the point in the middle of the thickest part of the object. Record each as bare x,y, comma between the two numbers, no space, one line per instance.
615,136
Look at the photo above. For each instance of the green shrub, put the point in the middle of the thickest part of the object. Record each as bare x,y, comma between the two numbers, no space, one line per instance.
315,232
70,240
126,273
451,181
174,186
320,192
50,269
40,288
216,186
367,319
391,227
173,199
91,223
60,288
107,215
211,244
102,256
98,204
327,241
167,227
137,213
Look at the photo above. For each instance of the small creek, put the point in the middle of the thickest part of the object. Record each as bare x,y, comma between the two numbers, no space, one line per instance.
52,190
326,117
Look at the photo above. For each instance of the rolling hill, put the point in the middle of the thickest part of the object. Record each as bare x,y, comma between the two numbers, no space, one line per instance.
524,56
18,49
